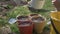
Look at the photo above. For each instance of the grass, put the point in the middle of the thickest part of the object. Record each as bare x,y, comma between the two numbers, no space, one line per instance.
23,10
48,5
20,10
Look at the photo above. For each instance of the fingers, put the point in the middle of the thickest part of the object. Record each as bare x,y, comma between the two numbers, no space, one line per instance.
53,0
56,3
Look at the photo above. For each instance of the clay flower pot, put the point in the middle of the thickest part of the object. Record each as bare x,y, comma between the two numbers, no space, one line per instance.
39,24
25,27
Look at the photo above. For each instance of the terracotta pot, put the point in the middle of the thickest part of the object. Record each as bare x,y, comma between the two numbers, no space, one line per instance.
39,24
26,27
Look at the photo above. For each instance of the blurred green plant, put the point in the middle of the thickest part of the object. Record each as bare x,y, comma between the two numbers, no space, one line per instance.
48,5
14,28
20,10
3,22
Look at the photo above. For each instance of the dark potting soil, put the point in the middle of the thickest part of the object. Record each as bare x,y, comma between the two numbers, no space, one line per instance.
33,14
37,19
22,17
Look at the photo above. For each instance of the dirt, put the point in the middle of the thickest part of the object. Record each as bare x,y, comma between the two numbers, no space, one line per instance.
33,14
4,8
38,19
22,17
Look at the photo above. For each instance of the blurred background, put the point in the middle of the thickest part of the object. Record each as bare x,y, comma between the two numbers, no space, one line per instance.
11,8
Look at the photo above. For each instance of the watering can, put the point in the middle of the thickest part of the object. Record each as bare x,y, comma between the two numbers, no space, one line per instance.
55,22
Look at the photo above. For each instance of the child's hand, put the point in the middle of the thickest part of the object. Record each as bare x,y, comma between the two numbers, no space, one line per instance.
56,3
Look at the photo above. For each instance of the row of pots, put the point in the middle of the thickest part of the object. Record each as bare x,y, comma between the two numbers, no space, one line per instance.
28,24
